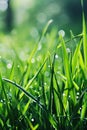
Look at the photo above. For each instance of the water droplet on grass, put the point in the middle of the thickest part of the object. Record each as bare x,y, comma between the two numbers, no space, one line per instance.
56,56
32,119
80,108
39,47
9,65
68,50
64,94
45,83
61,33
47,74
38,58
48,66
77,97
78,93
1,101
33,60
69,96
18,66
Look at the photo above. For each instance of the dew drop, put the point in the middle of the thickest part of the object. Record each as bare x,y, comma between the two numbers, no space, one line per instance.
9,65
78,93
1,101
68,50
56,56
64,94
32,119
33,60
61,33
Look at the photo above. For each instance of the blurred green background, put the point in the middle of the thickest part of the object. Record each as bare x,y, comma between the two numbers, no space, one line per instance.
33,15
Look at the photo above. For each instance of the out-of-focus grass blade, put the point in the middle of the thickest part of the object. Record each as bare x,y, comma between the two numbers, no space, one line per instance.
45,29
12,72
84,36
84,40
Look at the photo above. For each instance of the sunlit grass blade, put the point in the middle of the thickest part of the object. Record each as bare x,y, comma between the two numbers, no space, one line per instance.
84,36
26,107
66,63
84,40
45,29
75,85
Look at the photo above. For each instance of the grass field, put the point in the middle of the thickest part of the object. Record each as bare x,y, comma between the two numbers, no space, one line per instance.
43,80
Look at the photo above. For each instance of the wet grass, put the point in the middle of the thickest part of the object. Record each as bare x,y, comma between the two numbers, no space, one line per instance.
43,82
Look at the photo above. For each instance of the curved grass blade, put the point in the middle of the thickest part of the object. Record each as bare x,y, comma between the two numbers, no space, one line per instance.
24,91
31,81
50,117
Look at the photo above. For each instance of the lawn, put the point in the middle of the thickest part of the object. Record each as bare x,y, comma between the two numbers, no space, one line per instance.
43,80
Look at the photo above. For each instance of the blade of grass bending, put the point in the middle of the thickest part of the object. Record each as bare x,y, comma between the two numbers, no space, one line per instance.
24,91
74,37
45,29
31,81
50,117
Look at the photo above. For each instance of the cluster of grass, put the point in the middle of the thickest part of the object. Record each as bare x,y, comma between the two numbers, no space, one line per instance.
46,88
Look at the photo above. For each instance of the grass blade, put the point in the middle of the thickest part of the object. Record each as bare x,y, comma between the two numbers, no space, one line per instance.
50,117
75,57
31,81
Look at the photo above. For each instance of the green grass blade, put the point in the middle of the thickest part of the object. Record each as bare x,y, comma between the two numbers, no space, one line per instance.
50,117
51,86
84,36
26,107
84,107
24,91
31,81
66,62
75,57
